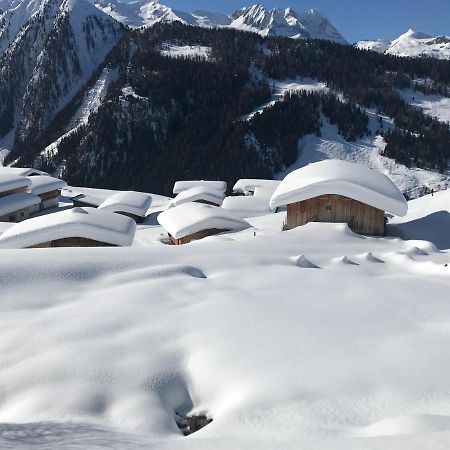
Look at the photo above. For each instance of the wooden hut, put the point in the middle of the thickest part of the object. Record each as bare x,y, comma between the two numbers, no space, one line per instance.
199,194
193,221
77,227
131,204
339,192
48,189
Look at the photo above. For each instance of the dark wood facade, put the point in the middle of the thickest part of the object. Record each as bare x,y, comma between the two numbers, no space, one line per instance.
72,242
361,218
195,236
12,191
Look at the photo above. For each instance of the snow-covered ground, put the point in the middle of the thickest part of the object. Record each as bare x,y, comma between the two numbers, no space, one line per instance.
366,151
435,106
282,87
311,338
186,51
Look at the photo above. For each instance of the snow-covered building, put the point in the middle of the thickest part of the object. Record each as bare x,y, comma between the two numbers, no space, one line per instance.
85,200
77,227
193,221
48,189
181,186
248,186
22,171
247,206
132,204
199,194
16,203
339,192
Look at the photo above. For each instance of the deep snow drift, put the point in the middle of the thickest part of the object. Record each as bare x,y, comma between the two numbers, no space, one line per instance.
315,338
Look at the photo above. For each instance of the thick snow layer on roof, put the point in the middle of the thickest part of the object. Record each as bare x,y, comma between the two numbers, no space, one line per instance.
10,181
136,203
18,201
41,184
247,206
181,186
88,223
343,178
189,218
23,171
196,194
247,184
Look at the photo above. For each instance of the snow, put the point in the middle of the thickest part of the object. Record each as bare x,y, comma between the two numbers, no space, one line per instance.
343,178
198,193
88,223
248,185
247,206
189,218
181,186
41,184
435,106
377,45
15,202
428,218
416,44
136,203
211,19
276,337
282,87
366,151
21,171
10,181
185,51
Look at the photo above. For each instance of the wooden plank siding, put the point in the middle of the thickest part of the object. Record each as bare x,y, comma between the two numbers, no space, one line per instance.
50,195
12,191
195,237
72,242
361,218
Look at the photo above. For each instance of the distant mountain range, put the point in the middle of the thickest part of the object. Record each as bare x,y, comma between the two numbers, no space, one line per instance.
274,22
412,44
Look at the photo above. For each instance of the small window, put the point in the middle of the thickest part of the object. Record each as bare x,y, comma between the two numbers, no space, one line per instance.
327,207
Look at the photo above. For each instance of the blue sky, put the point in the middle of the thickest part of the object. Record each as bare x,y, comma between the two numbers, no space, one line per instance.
355,19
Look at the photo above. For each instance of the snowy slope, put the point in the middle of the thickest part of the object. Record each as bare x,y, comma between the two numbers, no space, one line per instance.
307,350
412,44
366,151
435,106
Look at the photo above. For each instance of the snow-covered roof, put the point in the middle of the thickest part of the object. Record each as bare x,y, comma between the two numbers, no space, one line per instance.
18,201
23,171
10,181
249,184
88,199
196,194
131,202
343,178
181,186
248,206
189,218
88,223
40,184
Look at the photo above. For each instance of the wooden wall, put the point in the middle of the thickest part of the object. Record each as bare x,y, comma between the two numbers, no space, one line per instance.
12,191
196,236
361,218
72,242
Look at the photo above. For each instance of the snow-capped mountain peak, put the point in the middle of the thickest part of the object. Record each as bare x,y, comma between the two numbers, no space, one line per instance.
256,18
413,44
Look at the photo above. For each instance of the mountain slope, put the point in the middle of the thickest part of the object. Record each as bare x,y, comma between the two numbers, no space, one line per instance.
411,44
54,54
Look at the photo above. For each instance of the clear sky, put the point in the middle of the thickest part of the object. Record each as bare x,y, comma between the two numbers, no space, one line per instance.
355,19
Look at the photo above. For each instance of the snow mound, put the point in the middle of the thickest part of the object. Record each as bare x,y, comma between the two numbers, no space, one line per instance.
41,184
181,186
10,181
372,258
16,202
346,261
247,206
343,178
246,185
131,202
404,425
198,193
303,262
189,218
87,223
